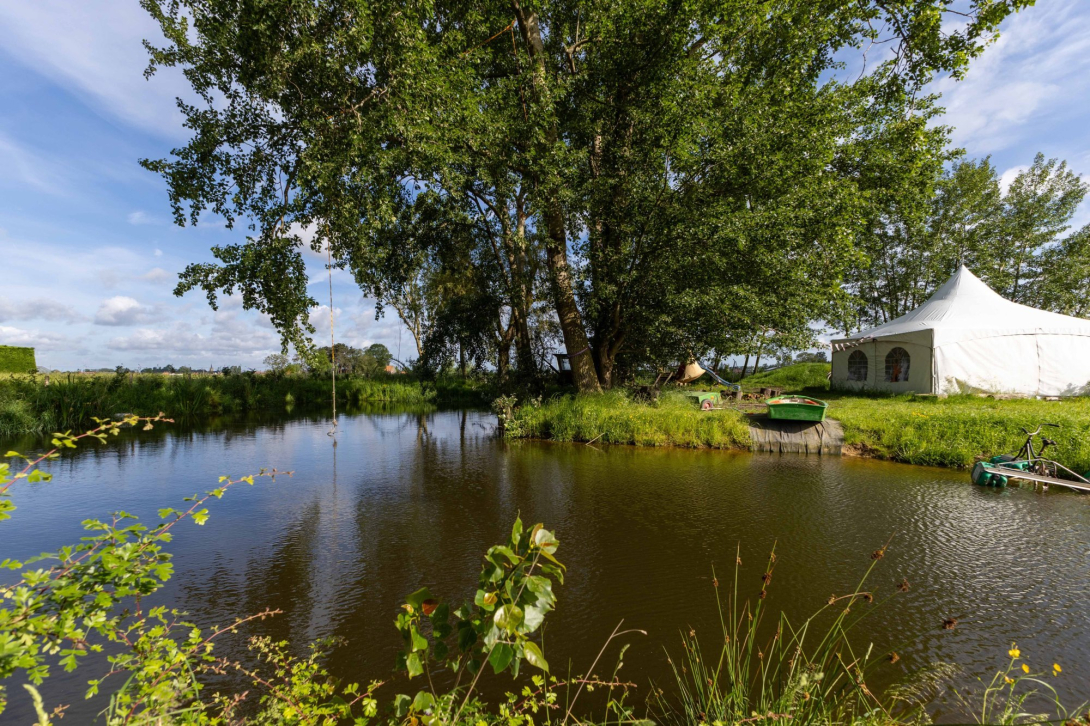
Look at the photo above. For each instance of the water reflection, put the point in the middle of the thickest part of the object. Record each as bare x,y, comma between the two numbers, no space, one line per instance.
411,498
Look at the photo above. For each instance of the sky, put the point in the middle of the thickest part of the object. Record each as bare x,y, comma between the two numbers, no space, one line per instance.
89,255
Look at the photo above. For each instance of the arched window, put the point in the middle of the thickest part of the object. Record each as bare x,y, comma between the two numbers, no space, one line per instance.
897,361
857,366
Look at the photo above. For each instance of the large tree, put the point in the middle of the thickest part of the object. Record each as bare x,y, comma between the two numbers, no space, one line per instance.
685,169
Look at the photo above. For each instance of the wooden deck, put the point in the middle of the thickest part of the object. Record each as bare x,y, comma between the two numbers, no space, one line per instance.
795,437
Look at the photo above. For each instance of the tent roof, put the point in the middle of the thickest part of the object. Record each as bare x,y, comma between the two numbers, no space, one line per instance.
965,308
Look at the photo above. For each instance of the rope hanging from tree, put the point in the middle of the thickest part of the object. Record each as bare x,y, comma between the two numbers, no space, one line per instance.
332,342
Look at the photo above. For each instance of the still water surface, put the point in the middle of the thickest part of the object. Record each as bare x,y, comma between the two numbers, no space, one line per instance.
412,499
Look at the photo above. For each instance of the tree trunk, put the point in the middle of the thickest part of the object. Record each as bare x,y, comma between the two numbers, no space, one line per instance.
745,365
524,351
462,360
567,309
556,244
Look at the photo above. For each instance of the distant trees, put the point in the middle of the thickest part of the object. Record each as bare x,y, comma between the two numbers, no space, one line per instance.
352,361
276,362
1015,240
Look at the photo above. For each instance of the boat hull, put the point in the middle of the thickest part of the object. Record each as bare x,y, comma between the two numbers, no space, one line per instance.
810,410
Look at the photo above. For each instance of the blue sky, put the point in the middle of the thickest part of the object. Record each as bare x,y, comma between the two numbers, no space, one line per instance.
89,256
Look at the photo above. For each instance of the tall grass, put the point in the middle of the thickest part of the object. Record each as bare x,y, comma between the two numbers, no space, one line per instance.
27,406
810,672
805,673
614,418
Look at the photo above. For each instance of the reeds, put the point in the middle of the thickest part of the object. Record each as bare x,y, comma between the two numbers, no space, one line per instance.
28,407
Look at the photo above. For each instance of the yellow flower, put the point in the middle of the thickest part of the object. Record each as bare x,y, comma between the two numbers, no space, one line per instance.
1025,668
1014,652
1008,679
1056,669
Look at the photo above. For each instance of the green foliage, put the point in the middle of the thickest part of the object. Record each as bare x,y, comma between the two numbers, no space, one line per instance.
795,377
514,594
14,359
709,165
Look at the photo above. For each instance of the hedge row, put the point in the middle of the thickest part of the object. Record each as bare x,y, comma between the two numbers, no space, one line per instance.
16,360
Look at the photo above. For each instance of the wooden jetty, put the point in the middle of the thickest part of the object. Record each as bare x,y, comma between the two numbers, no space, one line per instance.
1042,479
795,437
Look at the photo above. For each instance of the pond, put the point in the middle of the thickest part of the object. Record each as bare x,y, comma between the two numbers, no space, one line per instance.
407,499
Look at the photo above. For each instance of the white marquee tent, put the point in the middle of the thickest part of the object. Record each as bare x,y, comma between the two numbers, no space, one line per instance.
966,337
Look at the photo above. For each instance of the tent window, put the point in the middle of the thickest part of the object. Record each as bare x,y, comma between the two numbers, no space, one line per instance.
897,361
857,366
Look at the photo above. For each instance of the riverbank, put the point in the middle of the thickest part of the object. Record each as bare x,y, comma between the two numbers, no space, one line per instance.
28,406
949,432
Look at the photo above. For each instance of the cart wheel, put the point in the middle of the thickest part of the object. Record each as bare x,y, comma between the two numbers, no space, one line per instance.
706,406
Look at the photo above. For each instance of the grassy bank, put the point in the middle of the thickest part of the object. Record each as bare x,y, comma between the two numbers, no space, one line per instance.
957,431
614,418
28,406
949,432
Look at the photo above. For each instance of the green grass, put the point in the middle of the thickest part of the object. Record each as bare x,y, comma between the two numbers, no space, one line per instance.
957,431
613,418
28,407
791,378
950,432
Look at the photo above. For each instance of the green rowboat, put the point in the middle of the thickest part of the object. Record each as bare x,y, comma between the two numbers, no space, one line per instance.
793,407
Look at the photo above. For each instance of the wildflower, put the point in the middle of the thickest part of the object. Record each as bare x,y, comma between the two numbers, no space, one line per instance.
1025,668
766,578
764,594
1008,679
893,657
878,554
903,585
949,623
1056,669
1014,652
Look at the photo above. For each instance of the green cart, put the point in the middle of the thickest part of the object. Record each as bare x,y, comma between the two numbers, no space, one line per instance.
706,400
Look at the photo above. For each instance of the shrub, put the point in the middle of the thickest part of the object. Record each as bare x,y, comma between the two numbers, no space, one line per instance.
14,359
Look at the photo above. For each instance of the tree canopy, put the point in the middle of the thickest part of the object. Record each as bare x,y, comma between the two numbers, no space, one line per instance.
661,178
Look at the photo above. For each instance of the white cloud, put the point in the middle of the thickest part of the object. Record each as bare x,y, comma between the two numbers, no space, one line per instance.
122,310
28,168
231,337
1007,178
1041,59
94,48
158,253
157,274
38,339
38,309
139,217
